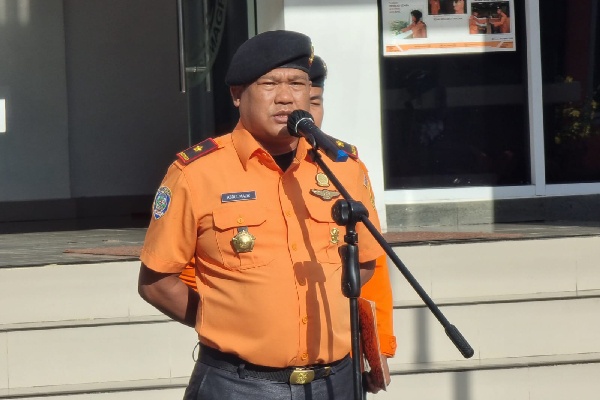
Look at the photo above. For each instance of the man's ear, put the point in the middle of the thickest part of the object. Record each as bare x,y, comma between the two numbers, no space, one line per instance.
236,93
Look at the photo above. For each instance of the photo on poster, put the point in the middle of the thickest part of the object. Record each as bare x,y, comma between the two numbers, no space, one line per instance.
418,27
441,7
411,26
491,17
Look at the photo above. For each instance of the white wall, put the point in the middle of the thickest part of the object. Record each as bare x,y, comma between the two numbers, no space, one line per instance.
345,35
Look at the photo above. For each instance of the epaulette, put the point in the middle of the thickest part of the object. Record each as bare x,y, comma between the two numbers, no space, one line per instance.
197,151
347,148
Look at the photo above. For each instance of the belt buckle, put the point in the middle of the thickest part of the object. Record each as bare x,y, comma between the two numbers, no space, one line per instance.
301,376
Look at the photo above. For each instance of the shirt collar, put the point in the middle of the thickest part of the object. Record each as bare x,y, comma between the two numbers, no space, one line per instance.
246,146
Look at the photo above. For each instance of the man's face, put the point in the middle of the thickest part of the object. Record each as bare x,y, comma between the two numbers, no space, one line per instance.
316,104
265,104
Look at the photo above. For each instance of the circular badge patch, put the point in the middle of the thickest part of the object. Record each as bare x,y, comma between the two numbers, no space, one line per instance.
161,202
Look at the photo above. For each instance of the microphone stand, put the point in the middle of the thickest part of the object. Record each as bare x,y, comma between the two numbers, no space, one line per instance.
347,212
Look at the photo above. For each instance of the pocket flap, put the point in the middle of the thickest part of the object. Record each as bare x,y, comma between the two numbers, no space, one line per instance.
319,209
231,215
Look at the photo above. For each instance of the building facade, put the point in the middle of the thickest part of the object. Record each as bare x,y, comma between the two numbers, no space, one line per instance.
96,97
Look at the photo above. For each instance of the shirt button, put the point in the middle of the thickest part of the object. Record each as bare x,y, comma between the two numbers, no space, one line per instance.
240,220
294,246
288,213
304,320
304,357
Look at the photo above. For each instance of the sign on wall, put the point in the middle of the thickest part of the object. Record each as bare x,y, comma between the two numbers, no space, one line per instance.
418,27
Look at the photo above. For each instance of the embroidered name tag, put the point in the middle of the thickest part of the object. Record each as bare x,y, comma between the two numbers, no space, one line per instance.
239,196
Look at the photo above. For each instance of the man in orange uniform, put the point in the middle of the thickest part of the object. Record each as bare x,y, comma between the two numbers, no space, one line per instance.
378,289
254,211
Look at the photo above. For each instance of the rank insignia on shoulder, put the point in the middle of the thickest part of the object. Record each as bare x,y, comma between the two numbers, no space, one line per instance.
347,148
197,151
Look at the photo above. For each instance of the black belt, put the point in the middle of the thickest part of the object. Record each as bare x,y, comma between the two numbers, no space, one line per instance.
293,375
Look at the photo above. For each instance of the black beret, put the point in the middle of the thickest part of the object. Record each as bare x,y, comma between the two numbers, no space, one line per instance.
266,51
318,72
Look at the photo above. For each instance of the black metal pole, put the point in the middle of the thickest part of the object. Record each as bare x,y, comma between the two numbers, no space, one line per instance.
351,289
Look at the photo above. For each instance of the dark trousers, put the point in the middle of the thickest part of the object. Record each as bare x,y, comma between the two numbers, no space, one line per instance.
210,383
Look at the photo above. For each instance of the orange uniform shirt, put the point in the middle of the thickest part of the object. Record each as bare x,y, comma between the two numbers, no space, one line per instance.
379,290
281,303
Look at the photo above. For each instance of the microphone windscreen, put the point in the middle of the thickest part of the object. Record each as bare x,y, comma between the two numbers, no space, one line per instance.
294,118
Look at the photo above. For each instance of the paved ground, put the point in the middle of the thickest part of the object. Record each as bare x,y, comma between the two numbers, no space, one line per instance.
72,243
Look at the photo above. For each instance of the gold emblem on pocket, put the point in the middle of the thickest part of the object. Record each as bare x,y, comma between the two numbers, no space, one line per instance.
243,242
335,233
325,194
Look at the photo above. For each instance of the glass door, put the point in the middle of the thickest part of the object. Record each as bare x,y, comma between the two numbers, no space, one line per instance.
209,33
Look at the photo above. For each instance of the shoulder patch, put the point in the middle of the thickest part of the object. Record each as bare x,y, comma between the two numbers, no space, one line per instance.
347,148
197,151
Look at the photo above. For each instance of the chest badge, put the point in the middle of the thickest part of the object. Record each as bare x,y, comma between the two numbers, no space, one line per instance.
322,179
325,194
243,242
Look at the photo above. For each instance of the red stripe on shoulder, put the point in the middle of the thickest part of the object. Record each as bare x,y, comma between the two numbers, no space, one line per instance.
197,151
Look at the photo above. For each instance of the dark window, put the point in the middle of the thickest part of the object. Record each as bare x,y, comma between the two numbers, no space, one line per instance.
452,120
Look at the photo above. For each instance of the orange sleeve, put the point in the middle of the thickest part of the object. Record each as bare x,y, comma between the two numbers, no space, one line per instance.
379,290
171,236
188,275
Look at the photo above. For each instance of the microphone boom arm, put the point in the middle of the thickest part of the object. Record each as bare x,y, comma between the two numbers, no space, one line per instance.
451,331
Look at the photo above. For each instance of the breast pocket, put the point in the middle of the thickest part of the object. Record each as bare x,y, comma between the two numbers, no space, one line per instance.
230,220
326,236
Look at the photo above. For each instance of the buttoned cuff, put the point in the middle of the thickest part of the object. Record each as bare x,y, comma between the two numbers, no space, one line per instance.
387,343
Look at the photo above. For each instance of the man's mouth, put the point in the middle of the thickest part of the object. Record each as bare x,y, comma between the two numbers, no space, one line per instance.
281,117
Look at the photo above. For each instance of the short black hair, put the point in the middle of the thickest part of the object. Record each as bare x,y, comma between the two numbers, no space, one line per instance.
417,14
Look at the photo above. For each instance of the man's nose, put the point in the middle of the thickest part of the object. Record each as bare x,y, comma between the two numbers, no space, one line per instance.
284,94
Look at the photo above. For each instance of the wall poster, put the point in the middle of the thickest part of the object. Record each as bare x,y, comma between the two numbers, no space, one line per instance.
418,27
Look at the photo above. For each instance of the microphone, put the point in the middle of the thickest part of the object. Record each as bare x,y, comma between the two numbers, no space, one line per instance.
301,124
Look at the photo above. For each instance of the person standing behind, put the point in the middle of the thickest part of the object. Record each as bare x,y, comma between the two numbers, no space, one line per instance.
418,27
253,210
379,288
